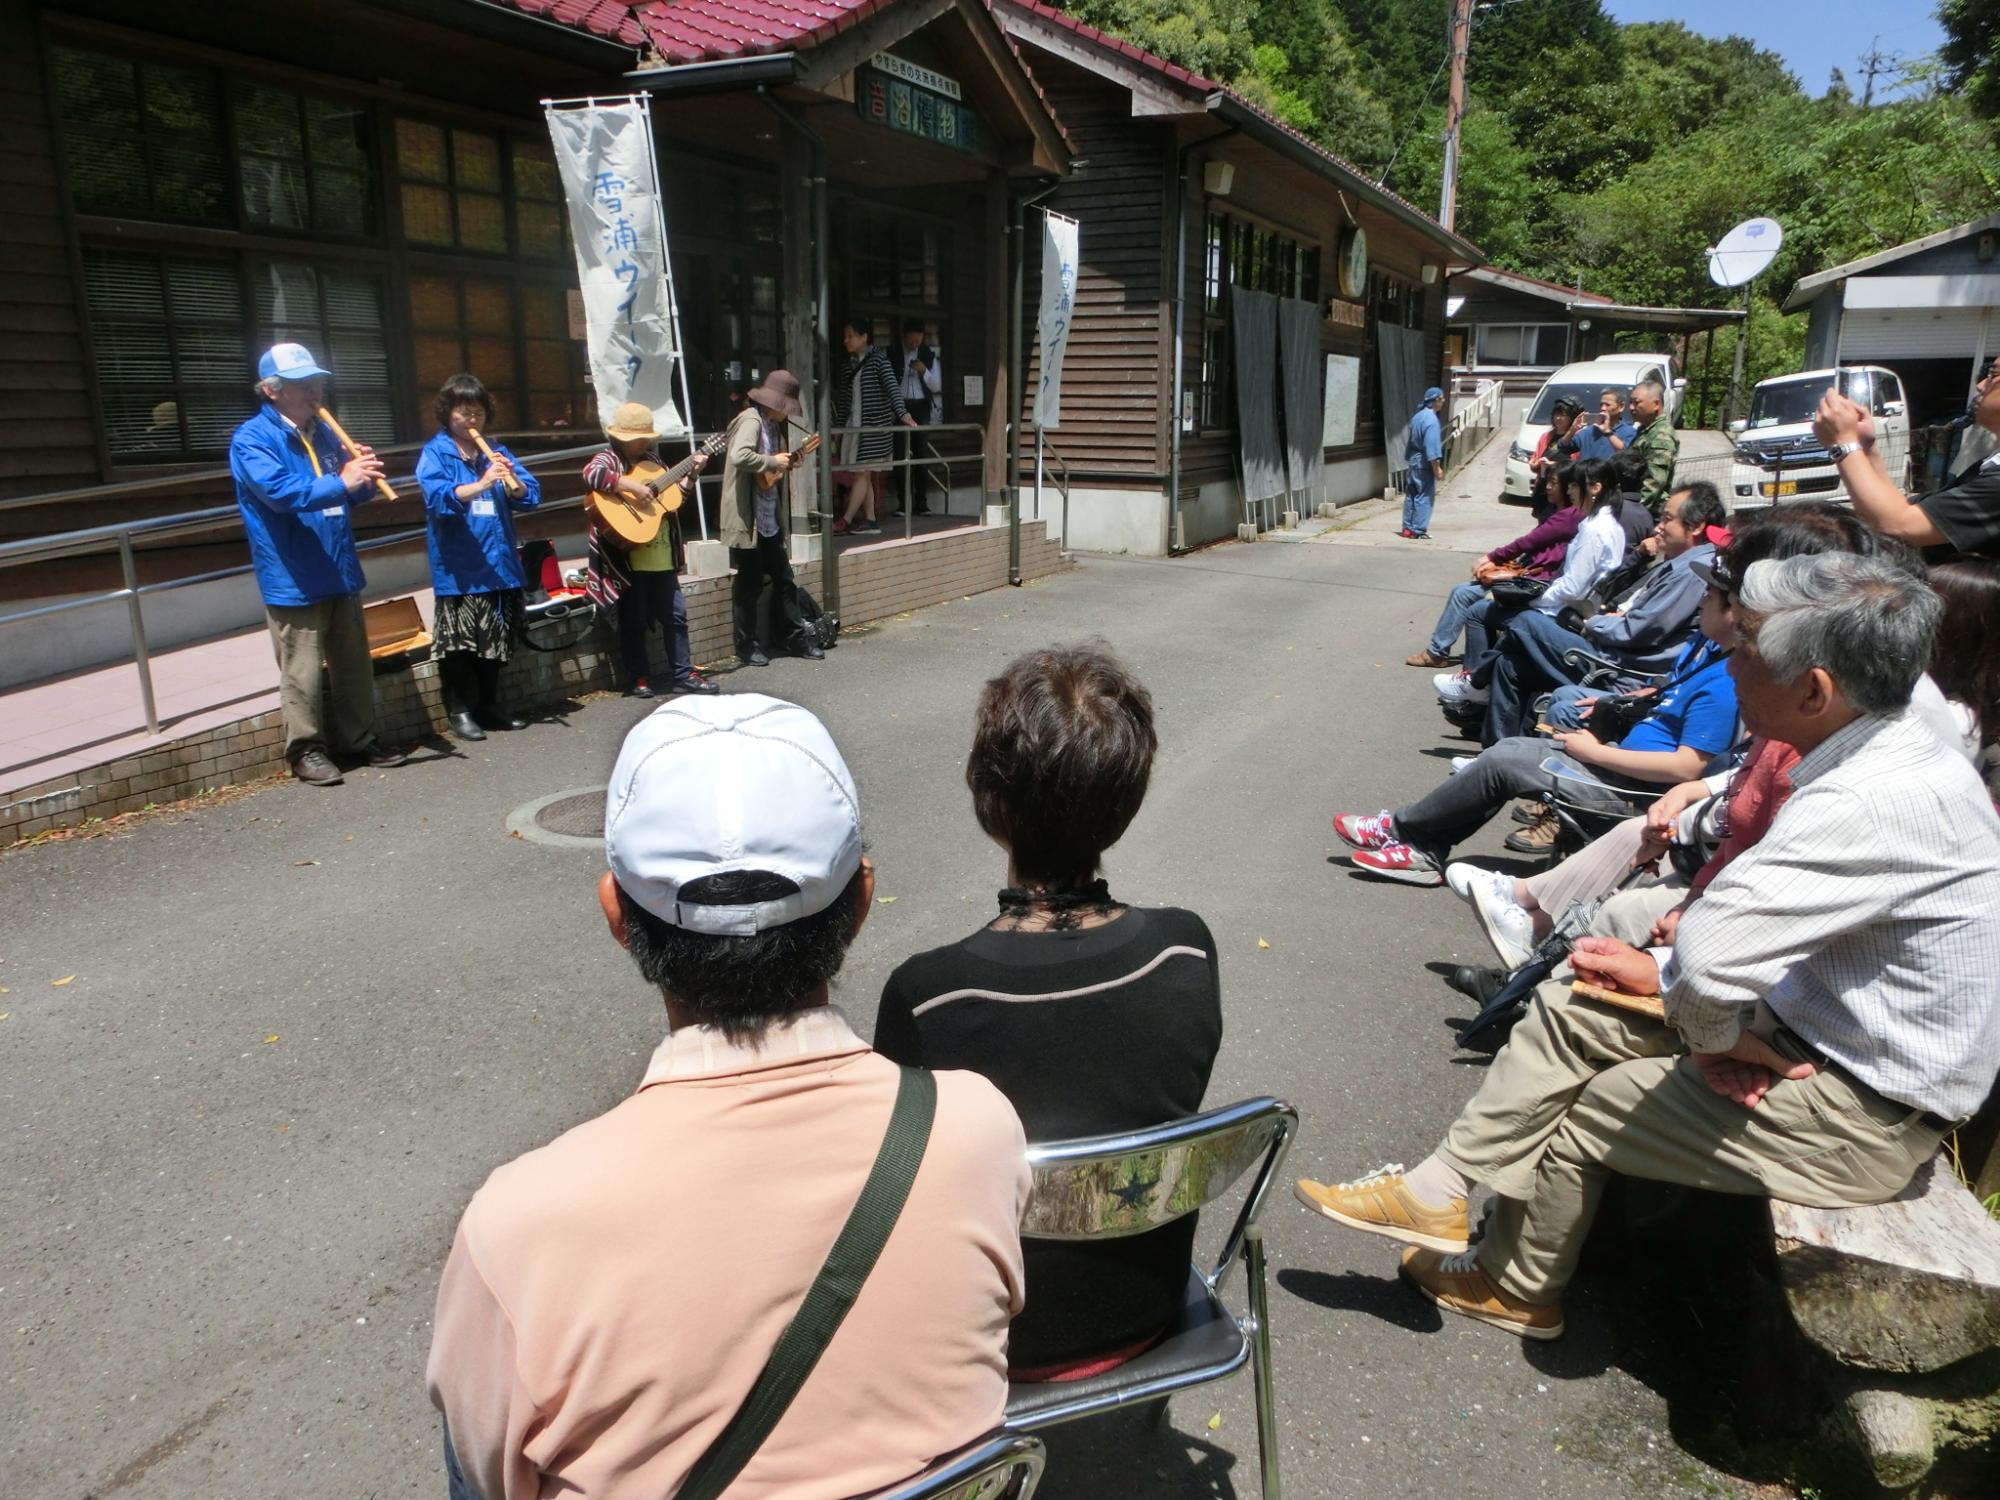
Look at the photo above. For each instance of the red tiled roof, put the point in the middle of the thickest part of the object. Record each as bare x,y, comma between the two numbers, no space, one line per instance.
610,19
686,31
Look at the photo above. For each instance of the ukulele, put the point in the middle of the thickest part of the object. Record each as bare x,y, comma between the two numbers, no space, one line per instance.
771,477
637,522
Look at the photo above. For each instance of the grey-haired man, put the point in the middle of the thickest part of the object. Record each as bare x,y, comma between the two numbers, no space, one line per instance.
1831,998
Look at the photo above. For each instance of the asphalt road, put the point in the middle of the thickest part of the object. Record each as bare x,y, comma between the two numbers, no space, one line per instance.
304,1026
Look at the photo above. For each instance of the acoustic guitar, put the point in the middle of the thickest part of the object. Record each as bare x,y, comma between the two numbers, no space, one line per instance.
636,522
773,476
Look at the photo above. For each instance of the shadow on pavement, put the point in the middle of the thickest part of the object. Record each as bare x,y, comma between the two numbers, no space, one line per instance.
1134,1453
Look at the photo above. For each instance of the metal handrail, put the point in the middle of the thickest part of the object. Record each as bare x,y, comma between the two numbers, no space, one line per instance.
222,475
119,535
1062,484
907,465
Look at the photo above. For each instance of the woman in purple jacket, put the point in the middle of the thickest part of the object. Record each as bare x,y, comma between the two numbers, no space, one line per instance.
1534,554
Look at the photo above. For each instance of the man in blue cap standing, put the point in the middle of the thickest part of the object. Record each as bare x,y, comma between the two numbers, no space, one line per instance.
294,485
1423,457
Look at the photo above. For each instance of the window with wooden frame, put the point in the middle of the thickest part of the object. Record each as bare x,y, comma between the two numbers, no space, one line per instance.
558,394
167,332
141,139
1241,252
304,161
452,191
464,323
335,311
538,201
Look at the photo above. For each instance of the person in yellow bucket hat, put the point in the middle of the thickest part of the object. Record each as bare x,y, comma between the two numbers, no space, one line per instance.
639,585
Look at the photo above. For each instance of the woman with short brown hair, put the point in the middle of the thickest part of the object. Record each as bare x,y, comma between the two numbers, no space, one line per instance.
1089,1014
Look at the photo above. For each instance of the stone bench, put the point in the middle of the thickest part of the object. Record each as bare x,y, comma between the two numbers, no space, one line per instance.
1904,1299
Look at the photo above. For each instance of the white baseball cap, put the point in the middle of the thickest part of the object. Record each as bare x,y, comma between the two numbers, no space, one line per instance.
711,786
289,362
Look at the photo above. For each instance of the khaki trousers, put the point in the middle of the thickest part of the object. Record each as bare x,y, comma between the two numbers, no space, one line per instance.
303,635
1582,1090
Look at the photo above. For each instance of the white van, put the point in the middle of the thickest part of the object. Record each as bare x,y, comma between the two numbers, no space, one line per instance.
1778,458
1583,383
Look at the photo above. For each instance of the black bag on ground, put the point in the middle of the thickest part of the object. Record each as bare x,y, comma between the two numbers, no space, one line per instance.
821,628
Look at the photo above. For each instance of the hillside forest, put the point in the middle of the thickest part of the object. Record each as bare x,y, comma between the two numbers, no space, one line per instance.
1610,156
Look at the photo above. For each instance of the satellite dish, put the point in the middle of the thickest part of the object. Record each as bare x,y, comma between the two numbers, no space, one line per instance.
1745,252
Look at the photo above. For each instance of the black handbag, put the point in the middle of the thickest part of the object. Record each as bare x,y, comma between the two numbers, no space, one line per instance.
1517,593
1616,715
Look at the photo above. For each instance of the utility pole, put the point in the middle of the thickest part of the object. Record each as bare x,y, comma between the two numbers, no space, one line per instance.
1873,62
1454,110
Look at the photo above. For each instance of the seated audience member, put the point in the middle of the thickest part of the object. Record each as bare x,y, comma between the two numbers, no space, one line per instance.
612,1297
1643,635
1694,720
1516,914
1831,1018
1590,557
1966,664
1964,516
1090,1015
1536,554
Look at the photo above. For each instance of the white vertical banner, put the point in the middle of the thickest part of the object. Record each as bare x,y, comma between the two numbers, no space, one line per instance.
604,151
1058,306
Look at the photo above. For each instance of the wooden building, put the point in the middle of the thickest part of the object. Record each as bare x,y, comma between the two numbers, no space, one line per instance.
1184,192
191,183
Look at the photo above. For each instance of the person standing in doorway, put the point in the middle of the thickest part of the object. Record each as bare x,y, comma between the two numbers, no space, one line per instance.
868,396
476,572
923,398
1423,457
751,526
294,484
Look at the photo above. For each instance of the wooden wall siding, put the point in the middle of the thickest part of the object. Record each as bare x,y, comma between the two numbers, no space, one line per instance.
46,438
1114,384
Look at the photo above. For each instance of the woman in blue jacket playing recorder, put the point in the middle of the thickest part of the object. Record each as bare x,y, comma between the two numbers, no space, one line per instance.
469,501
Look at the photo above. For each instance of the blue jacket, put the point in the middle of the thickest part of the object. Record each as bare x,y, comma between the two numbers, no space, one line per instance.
1425,444
472,541
296,521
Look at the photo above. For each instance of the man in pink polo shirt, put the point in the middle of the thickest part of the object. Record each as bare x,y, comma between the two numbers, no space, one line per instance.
612,1297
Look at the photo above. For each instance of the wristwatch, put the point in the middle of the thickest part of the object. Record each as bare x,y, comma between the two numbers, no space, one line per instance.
1843,450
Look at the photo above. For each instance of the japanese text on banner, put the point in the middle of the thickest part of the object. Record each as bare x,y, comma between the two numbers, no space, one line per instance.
608,180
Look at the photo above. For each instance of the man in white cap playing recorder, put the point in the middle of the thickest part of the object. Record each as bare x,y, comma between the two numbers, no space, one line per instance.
612,1299
294,484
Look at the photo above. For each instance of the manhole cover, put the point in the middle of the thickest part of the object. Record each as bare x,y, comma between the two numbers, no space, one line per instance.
572,819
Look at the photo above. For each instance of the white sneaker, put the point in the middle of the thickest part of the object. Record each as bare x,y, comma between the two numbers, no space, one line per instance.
1462,875
1456,687
1507,924
1460,762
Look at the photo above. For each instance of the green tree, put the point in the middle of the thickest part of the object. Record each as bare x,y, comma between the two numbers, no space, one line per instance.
1201,35
1496,188
1971,51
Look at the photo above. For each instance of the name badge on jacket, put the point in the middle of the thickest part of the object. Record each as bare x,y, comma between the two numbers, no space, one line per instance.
334,512
484,508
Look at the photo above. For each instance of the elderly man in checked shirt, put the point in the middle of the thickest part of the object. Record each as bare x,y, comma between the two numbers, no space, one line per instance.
1833,998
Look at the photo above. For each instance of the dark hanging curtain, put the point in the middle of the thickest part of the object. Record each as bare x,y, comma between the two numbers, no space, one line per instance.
1253,318
1301,368
1402,355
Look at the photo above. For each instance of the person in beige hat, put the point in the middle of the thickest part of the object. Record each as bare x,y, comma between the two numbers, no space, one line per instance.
639,585
751,526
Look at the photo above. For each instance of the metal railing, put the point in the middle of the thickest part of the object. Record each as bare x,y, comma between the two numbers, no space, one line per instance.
1473,422
120,536
904,465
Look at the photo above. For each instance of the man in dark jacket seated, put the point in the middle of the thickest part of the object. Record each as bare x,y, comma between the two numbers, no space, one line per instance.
1643,636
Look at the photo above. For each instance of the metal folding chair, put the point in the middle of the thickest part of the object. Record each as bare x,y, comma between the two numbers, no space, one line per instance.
999,1466
1110,1186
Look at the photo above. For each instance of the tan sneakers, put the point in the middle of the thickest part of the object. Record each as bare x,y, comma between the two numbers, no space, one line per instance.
1380,1204
1457,1284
